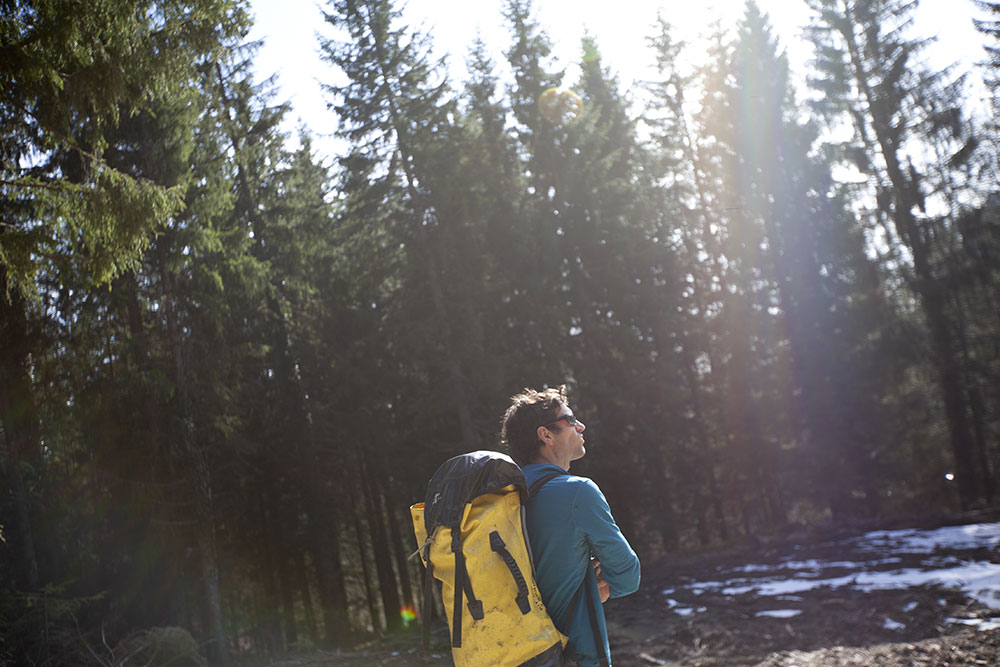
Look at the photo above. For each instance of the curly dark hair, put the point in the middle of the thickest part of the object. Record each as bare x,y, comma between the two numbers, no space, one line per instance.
529,410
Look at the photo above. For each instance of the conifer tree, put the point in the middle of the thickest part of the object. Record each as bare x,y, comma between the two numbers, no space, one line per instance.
395,110
69,76
75,213
869,74
617,285
534,279
991,28
744,355
826,300
686,215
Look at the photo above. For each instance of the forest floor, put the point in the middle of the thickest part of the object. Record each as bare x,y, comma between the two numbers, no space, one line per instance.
926,594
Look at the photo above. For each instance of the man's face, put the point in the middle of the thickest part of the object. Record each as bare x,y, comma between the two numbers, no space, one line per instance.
567,438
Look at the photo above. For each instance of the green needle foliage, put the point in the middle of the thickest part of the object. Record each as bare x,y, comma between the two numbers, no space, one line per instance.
67,78
228,364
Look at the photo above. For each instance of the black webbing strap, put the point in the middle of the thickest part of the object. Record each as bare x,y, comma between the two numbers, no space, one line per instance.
475,606
595,627
497,544
572,607
542,481
462,585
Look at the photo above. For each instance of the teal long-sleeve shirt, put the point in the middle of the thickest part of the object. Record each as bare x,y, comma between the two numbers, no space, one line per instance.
568,522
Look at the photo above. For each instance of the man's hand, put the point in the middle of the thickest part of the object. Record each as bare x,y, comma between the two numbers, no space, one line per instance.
602,586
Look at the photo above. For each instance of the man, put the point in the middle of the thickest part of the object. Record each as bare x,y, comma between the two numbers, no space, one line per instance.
581,557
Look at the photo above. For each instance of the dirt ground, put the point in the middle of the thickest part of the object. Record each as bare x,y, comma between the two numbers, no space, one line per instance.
836,626
843,626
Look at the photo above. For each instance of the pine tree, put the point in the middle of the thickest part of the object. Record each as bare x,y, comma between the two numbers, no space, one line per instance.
69,76
823,283
686,216
616,286
75,213
991,28
541,146
898,108
395,110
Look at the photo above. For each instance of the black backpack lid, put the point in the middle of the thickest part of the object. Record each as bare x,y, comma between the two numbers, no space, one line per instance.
464,477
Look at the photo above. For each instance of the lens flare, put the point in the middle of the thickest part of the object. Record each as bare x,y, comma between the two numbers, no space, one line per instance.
408,614
560,106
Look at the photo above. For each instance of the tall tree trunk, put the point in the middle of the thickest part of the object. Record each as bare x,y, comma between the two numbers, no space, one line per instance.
198,467
18,424
283,547
365,570
269,615
976,407
982,448
302,582
325,550
399,546
388,587
29,573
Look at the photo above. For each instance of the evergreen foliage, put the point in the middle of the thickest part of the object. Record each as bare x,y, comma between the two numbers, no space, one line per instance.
226,368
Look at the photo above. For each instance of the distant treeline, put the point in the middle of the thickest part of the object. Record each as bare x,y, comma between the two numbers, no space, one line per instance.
227,367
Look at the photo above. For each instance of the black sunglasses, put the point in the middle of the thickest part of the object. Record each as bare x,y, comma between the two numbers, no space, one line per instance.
568,418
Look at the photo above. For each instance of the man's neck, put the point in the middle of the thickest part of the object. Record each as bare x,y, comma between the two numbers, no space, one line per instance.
541,460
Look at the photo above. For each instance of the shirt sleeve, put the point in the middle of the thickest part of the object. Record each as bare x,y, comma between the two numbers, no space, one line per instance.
619,564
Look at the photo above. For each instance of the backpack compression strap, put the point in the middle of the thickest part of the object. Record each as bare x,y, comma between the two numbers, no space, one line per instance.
497,544
462,585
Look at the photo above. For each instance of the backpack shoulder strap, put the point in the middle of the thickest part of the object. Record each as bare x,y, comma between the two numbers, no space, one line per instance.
595,628
542,481
584,589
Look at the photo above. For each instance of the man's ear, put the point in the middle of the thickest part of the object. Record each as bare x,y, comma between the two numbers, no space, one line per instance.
544,434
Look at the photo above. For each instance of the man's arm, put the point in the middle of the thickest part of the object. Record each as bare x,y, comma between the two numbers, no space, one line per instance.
618,562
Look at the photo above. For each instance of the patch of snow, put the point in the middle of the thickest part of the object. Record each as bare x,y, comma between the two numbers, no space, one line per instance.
927,541
687,611
938,561
814,564
978,580
779,613
700,587
753,567
890,624
978,623
964,621
910,606
794,565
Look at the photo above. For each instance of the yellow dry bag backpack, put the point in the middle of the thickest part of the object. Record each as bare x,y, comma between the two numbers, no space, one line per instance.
471,537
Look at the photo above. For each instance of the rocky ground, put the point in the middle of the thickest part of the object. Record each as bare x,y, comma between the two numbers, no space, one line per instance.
676,619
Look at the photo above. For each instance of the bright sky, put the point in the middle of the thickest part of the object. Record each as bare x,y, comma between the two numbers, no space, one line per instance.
289,29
